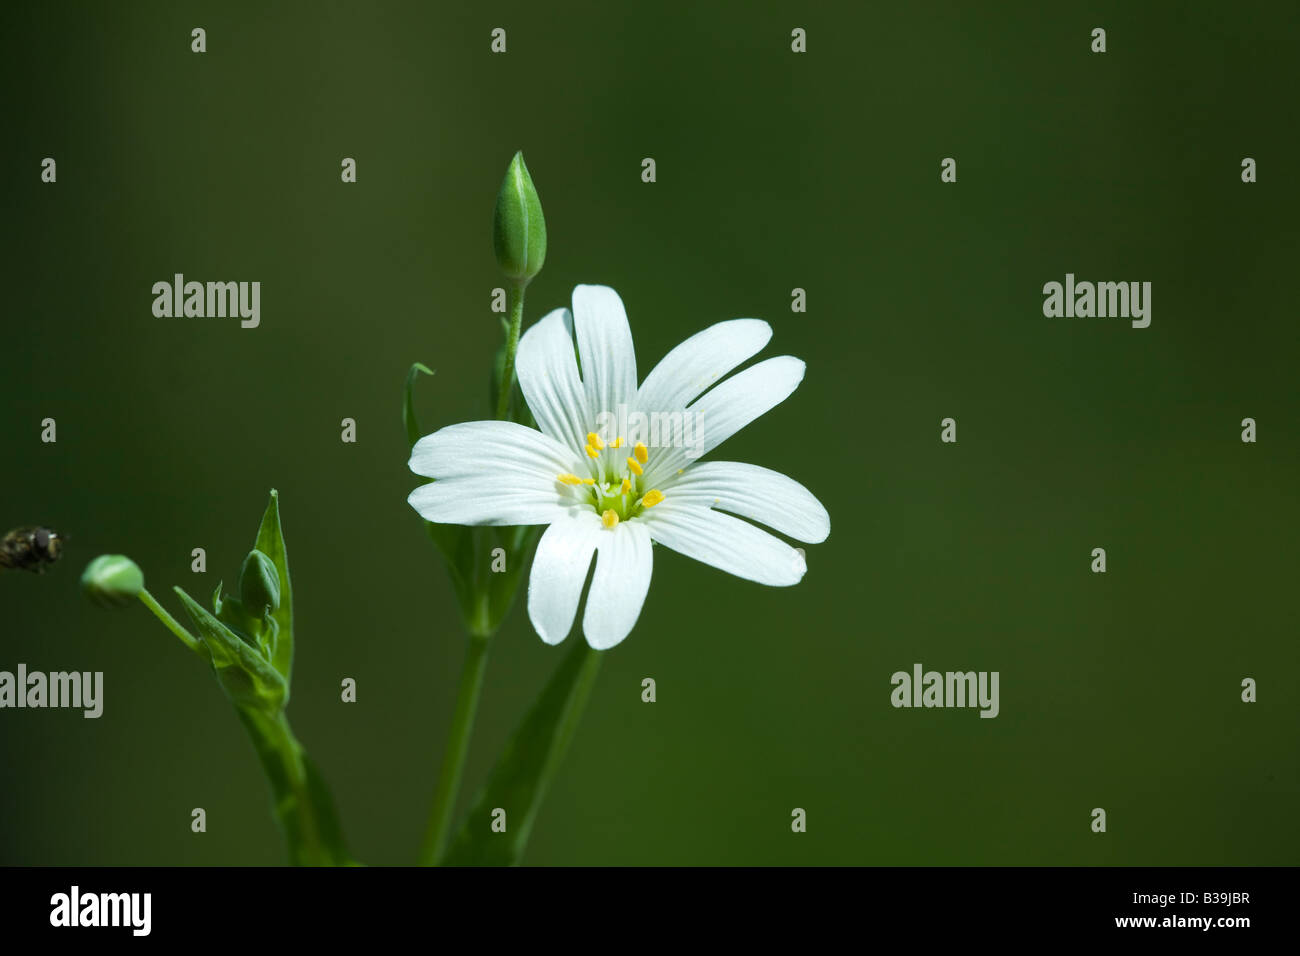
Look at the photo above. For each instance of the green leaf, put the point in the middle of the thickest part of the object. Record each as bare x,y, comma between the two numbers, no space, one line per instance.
459,547
327,818
526,767
244,674
270,541
503,585
300,799
409,421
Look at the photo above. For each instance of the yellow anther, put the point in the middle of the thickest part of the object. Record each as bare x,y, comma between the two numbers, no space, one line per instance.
594,441
609,518
591,452
627,487
589,481
636,468
569,479
642,453
617,442
652,498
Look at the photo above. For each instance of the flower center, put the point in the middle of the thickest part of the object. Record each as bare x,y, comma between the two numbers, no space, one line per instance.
618,492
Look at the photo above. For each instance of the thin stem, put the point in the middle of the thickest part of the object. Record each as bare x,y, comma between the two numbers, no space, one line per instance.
161,613
516,298
300,800
453,758
471,678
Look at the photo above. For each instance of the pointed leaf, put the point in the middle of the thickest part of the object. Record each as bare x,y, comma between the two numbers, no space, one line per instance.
409,421
502,586
270,541
526,767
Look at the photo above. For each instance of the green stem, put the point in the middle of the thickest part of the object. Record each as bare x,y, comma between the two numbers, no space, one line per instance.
161,613
471,678
302,805
515,296
453,758
528,765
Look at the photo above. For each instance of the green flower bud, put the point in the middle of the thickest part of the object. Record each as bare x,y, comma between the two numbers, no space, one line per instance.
112,580
518,228
259,583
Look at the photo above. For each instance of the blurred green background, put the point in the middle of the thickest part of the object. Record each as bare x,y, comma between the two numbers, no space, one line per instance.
775,171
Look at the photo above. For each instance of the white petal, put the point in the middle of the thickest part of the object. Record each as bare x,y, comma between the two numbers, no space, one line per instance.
548,376
479,449
491,473
472,502
559,572
726,543
605,348
696,364
619,586
727,409
753,492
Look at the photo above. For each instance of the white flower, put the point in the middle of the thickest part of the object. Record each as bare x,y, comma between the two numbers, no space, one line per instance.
611,495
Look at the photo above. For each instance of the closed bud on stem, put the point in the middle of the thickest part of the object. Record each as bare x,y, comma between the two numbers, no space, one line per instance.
518,227
259,584
112,580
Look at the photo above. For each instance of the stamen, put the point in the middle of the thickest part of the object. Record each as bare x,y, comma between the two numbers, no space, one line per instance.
627,487
589,481
569,479
594,441
636,468
617,443
592,453
609,518
652,498
642,453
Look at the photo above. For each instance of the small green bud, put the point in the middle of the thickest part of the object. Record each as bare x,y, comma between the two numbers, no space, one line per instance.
112,580
259,583
519,228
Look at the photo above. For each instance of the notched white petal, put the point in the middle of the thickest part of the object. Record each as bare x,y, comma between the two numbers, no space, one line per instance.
726,543
729,407
605,347
559,571
487,448
484,502
757,493
624,564
699,362
548,377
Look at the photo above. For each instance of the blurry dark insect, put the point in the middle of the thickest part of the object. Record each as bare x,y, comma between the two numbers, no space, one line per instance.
30,549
